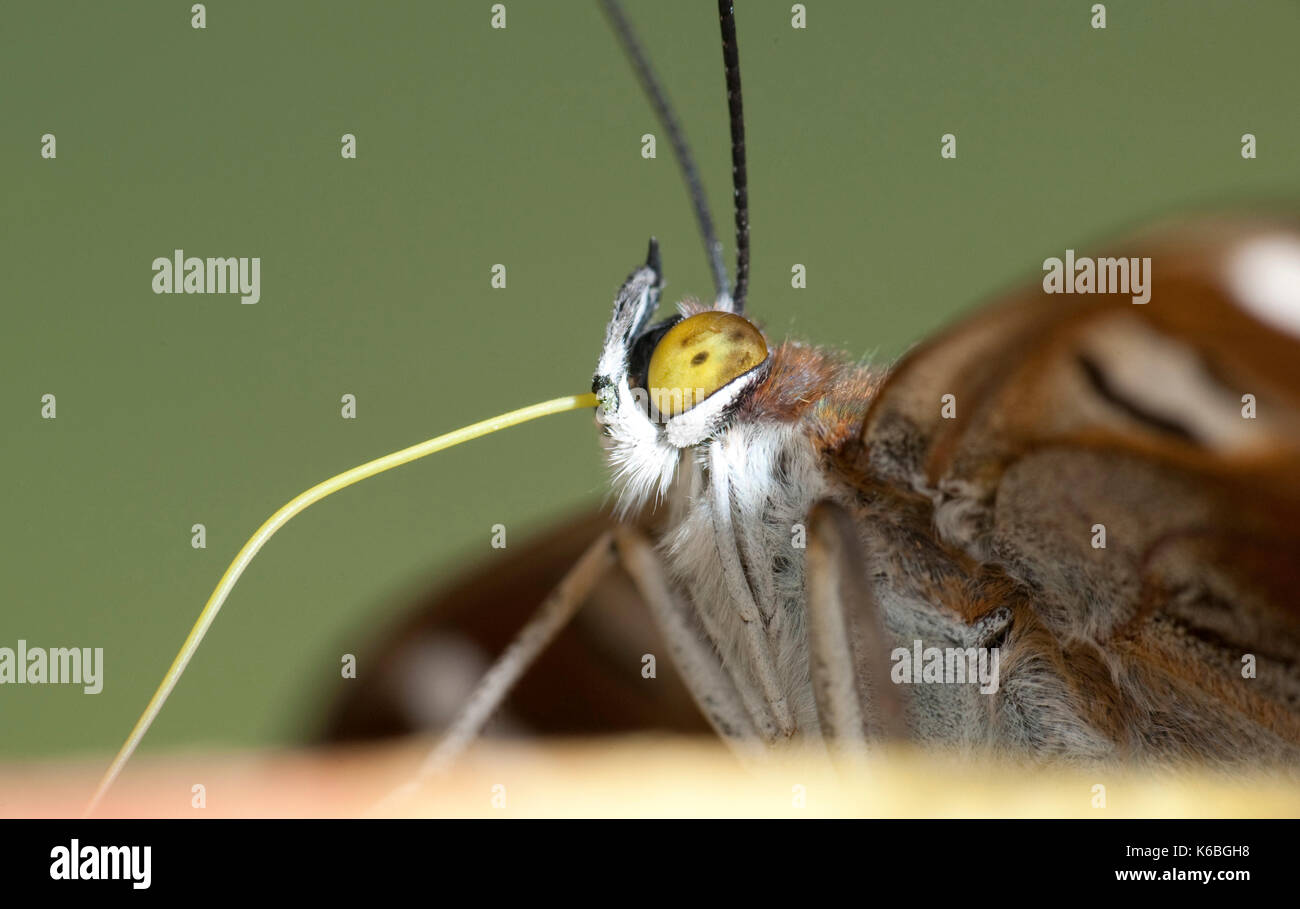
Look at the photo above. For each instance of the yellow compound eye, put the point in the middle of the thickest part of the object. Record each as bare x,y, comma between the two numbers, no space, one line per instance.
699,355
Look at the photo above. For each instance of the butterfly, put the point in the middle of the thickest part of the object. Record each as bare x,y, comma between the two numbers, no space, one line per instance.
1066,527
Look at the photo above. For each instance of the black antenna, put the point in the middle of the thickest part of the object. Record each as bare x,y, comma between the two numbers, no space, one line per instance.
739,177
663,109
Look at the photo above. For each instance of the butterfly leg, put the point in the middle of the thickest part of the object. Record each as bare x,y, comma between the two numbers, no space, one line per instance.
756,640
692,653
554,613
846,637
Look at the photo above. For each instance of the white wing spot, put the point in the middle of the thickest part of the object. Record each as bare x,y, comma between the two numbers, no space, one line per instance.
1265,276
435,676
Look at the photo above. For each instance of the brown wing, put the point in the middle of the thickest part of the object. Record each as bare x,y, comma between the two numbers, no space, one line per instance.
589,681
1173,428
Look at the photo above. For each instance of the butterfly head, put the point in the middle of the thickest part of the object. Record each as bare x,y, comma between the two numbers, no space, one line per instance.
668,387
682,380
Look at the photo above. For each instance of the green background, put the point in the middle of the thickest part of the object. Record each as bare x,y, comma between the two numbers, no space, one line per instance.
476,147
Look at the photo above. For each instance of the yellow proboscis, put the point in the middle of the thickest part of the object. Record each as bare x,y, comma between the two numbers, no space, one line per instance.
295,505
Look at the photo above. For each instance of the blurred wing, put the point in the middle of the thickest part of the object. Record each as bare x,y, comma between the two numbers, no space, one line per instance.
1167,433
589,681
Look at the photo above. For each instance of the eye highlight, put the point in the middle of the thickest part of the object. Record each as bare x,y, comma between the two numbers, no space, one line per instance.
698,356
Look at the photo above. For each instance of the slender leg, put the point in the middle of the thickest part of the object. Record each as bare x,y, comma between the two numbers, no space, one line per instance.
693,656
554,613
845,632
755,631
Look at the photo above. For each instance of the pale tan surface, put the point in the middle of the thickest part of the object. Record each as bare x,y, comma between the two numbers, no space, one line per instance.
627,777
